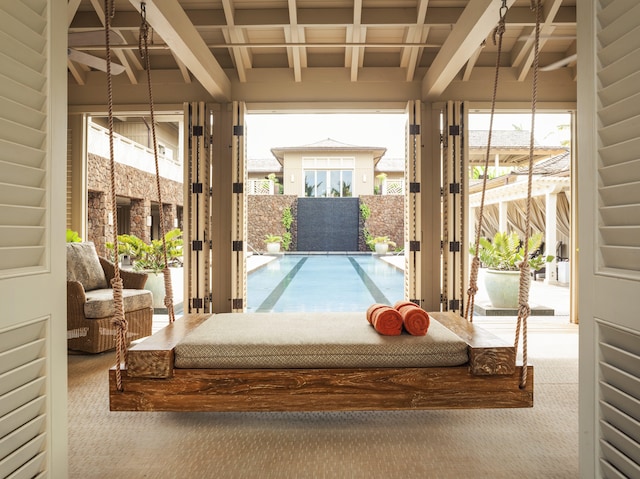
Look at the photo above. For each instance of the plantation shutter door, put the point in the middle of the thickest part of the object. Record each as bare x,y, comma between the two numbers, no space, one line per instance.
412,202
609,222
198,211
33,366
454,206
239,210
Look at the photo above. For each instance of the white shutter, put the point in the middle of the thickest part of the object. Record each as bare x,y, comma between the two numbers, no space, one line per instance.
22,135
197,184
619,400
619,115
239,210
455,169
22,401
32,261
413,241
609,225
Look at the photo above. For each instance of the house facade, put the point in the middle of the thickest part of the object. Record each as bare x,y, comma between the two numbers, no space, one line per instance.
327,169
137,205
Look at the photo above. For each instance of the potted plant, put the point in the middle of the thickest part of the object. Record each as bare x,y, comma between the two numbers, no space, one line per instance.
273,243
381,244
149,257
502,257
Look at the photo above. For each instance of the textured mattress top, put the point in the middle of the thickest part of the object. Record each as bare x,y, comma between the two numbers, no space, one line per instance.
312,340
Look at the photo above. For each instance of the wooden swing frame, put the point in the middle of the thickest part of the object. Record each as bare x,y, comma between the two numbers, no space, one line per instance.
490,379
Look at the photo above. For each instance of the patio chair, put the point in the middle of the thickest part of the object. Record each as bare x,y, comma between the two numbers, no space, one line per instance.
90,306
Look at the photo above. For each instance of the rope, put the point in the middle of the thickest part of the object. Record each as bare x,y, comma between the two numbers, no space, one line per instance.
116,283
475,263
144,53
525,278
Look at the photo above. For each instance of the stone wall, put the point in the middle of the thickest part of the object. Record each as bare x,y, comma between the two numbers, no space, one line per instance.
132,183
387,218
264,216
98,229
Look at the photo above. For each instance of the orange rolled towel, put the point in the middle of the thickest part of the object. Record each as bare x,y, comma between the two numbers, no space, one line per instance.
387,321
372,309
414,319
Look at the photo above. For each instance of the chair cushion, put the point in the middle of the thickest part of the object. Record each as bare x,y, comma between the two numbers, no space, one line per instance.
100,302
83,266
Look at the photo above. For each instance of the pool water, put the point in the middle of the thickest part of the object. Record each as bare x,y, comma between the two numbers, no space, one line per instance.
323,283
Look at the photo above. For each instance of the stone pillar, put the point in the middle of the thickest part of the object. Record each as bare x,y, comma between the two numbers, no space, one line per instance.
170,214
140,211
98,228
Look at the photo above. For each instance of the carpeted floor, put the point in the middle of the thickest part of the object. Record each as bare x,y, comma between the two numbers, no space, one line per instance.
541,442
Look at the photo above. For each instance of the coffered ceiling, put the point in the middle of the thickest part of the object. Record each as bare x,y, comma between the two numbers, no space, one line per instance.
221,43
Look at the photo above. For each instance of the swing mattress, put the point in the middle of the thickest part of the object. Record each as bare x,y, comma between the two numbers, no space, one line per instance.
152,382
312,340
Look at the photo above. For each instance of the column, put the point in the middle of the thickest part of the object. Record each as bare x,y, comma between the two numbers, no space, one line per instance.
140,213
551,226
99,221
502,216
169,212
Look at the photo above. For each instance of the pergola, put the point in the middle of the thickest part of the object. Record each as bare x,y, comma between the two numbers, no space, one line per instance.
550,208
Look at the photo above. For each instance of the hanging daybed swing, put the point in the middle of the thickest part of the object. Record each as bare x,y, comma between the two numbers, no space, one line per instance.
259,368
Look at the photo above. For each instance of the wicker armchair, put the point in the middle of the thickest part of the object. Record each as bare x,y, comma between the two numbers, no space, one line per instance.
90,306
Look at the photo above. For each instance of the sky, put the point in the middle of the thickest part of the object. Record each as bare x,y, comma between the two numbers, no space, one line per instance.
266,131
270,131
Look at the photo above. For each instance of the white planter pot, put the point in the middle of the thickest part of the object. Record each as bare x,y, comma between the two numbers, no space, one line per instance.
155,284
273,248
382,248
502,287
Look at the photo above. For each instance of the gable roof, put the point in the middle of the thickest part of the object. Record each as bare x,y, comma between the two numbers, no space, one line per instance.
328,145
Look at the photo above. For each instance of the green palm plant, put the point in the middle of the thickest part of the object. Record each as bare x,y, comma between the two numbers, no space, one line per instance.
272,238
150,256
506,252
373,241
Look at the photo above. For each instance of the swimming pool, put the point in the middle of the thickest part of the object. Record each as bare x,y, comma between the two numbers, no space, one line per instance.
327,282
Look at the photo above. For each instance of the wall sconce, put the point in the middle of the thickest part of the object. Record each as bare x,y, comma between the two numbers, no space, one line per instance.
110,218
149,220
364,178
292,178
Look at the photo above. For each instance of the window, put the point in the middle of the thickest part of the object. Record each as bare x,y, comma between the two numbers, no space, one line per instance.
328,183
328,177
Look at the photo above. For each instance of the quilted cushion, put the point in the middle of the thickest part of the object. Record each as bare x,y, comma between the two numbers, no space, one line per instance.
100,302
308,340
83,266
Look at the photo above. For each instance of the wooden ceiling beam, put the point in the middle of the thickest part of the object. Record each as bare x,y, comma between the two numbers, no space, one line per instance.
354,57
234,34
184,71
410,56
471,63
477,21
172,23
549,11
297,56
